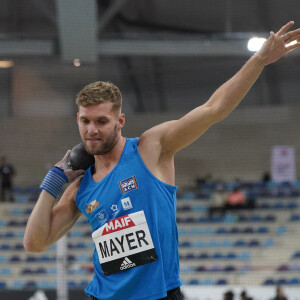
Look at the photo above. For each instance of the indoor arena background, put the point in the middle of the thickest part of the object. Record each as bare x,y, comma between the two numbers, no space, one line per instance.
167,57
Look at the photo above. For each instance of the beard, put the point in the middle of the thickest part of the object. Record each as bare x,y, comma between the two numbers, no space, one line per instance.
106,146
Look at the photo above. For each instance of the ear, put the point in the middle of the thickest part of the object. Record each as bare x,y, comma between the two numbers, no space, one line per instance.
121,121
77,117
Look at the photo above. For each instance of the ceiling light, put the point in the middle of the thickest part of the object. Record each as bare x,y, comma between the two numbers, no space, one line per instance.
6,64
77,62
255,43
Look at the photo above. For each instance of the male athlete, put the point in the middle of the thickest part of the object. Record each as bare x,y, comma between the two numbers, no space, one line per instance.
129,194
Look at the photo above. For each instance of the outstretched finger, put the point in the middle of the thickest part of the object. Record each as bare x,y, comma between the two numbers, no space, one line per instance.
293,46
285,28
291,36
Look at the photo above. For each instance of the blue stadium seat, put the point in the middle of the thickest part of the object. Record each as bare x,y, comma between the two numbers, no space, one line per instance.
190,256
203,255
218,255
254,243
294,281
291,205
40,270
19,246
256,218
195,231
294,218
3,285
15,258
269,281
268,243
281,281
229,268
269,218
244,256
185,244
193,282
231,255
207,231
83,258
3,259
52,271
221,282
31,258
199,244
262,230
281,230
30,285
207,281
44,284
200,269
240,243
18,285
221,230
248,230
75,233
5,271
226,243
5,247
234,230
296,255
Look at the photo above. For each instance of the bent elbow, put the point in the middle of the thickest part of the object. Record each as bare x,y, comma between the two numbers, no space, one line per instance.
30,247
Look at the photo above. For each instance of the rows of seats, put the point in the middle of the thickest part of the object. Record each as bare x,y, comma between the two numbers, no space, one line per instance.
215,256
234,244
282,281
227,243
231,230
206,281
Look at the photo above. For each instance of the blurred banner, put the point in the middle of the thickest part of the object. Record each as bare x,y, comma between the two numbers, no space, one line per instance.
283,164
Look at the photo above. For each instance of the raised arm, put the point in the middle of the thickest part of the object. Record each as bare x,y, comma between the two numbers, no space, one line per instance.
180,133
49,222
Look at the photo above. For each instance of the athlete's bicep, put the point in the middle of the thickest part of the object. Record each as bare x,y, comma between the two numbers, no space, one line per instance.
178,134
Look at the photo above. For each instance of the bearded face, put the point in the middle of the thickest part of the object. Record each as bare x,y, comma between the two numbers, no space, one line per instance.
99,127
103,145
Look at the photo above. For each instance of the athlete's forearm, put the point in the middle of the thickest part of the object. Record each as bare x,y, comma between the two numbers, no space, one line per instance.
230,94
39,224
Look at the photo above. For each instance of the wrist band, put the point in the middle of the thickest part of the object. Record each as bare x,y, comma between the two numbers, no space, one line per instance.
54,181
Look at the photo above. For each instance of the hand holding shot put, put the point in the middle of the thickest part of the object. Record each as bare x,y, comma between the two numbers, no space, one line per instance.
128,193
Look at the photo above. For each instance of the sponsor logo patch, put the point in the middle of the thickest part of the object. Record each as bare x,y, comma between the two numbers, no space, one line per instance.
128,184
91,206
126,203
127,264
102,217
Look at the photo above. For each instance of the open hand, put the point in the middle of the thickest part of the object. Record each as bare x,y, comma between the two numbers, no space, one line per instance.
278,44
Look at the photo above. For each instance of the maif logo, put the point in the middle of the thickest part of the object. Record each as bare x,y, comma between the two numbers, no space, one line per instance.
128,184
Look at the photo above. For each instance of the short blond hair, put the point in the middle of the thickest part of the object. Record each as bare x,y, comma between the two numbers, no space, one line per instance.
99,92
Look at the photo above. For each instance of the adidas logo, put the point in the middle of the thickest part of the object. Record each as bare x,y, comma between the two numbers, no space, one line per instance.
126,264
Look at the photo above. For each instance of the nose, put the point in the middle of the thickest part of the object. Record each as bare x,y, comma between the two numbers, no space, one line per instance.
92,128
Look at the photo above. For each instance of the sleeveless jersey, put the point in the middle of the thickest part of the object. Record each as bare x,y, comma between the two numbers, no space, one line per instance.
133,217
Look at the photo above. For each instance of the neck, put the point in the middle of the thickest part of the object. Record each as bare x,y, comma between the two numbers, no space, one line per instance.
110,159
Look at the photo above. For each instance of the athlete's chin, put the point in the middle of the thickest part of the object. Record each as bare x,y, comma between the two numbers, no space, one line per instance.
92,148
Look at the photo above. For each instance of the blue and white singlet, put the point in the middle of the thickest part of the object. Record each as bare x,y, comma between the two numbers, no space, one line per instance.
133,218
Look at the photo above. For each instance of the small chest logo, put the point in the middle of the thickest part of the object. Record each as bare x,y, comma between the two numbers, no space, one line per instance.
128,184
91,206
126,203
